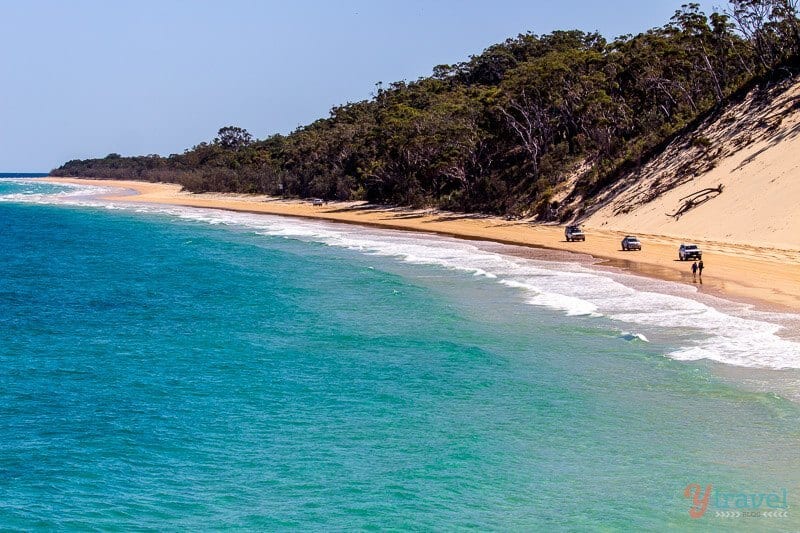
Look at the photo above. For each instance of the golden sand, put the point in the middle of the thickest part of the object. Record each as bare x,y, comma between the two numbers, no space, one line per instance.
759,168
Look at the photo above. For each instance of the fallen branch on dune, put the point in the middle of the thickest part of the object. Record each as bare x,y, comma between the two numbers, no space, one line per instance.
696,198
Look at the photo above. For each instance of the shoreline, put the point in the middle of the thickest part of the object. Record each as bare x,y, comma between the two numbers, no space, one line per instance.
766,278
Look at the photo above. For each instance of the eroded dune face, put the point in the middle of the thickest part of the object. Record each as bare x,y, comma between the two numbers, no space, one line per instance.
752,149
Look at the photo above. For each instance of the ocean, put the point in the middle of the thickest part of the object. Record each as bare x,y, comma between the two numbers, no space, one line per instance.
174,368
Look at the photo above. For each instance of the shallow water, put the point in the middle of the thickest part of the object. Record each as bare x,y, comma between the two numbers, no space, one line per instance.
169,367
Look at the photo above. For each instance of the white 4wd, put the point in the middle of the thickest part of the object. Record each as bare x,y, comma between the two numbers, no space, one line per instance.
689,251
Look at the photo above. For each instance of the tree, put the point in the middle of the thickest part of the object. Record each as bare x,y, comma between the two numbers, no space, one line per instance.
501,131
233,138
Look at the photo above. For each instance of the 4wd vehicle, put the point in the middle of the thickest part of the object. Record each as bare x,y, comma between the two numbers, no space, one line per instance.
687,252
574,233
631,243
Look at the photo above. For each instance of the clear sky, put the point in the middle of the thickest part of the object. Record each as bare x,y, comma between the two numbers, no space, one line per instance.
84,78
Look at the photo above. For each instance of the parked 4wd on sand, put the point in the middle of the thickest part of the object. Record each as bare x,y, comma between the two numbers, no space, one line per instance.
689,251
574,233
631,243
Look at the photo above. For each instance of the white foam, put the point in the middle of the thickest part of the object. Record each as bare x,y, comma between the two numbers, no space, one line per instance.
703,331
70,194
628,336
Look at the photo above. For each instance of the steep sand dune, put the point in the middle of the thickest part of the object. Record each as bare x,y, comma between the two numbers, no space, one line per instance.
752,150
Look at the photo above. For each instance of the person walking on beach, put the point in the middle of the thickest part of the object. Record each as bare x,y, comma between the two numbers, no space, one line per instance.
694,271
700,270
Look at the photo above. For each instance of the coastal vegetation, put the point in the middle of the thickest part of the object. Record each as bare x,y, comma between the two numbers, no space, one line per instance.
501,132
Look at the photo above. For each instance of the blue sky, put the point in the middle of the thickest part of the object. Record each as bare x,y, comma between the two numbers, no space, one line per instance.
88,77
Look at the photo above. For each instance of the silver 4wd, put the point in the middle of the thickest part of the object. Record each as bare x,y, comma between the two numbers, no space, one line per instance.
631,243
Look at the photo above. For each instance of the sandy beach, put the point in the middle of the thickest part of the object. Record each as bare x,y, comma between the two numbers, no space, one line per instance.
766,276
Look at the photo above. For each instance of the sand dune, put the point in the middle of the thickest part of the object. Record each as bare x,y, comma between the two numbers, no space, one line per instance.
752,150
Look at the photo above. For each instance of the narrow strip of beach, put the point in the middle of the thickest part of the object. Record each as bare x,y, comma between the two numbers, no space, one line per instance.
766,277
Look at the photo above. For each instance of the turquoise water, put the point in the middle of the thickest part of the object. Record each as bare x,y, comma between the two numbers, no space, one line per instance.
161,371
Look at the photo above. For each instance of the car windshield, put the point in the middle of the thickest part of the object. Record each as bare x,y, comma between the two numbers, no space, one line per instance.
690,247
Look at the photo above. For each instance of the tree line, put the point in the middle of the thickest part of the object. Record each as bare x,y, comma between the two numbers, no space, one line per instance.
499,132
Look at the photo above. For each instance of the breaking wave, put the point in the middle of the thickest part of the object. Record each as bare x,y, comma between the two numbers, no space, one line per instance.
701,330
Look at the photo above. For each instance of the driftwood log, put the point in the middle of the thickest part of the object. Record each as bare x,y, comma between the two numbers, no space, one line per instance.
691,201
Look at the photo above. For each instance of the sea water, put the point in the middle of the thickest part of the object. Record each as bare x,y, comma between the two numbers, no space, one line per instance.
165,367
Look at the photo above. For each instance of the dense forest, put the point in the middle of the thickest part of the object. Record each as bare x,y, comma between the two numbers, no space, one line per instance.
500,132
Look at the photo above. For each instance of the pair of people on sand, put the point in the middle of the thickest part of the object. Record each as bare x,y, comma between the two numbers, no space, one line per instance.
697,271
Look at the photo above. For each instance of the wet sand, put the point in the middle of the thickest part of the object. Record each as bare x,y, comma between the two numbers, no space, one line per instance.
764,276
